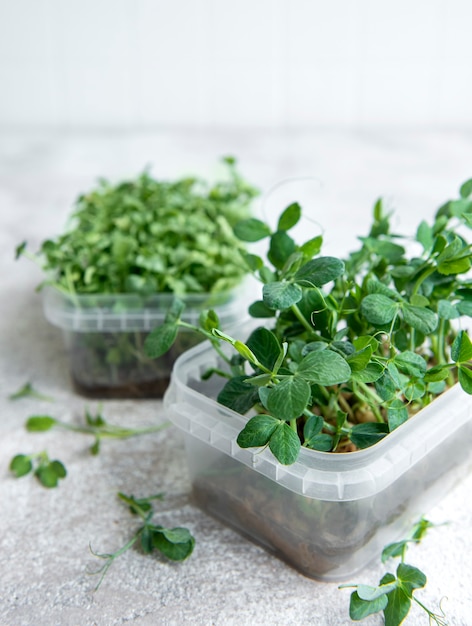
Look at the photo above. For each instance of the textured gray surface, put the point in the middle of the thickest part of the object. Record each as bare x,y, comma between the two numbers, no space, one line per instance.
45,534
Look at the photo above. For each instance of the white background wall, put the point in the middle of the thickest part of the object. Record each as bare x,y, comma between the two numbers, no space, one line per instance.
280,63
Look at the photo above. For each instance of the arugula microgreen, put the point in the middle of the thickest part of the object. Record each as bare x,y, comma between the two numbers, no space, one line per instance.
146,236
352,347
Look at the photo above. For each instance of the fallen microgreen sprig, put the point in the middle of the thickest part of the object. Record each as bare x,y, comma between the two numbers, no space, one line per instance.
394,593
94,425
176,544
28,391
46,471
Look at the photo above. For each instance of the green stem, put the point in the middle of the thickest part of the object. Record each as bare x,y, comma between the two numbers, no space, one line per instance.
303,321
215,343
422,277
371,398
110,430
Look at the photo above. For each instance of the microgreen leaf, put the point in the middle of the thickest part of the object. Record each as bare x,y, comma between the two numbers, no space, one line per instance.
176,543
259,309
420,318
175,311
258,431
397,414
20,249
160,340
397,608
324,368
21,465
370,374
254,262
424,235
366,435
320,271
313,426
466,189
288,399
378,309
238,395
436,373
461,350
265,345
282,246
410,363
40,423
251,230
447,310
359,609
312,247
465,379
289,217
322,442
285,444
281,295
209,320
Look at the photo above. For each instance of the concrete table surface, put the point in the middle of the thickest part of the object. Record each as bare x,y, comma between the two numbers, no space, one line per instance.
45,534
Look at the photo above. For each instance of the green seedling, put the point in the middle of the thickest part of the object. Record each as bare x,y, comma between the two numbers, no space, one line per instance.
350,347
395,592
48,472
28,391
176,544
146,236
94,425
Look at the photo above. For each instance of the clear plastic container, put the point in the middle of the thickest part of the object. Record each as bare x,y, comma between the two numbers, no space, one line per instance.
105,334
328,515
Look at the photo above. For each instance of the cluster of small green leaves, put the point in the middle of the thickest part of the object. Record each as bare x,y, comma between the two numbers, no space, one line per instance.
176,544
46,471
394,593
355,346
147,236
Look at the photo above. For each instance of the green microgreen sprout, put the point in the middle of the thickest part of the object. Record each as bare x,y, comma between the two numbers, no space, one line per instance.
176,544
351,347
146,236
28,391
47,471
395,592
94,424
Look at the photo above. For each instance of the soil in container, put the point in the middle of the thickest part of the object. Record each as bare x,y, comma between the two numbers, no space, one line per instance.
113,365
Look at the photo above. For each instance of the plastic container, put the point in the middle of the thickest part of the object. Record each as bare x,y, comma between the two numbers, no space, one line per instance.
328,514
105,334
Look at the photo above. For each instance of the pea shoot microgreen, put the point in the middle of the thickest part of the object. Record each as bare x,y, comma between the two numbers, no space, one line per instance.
395,592
94,425
175,544
351,347
28,391
48,472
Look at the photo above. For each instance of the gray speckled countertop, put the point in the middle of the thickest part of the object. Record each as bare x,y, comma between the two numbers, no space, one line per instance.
45,534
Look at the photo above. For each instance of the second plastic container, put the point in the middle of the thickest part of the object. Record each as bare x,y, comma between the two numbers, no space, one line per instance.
105,334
